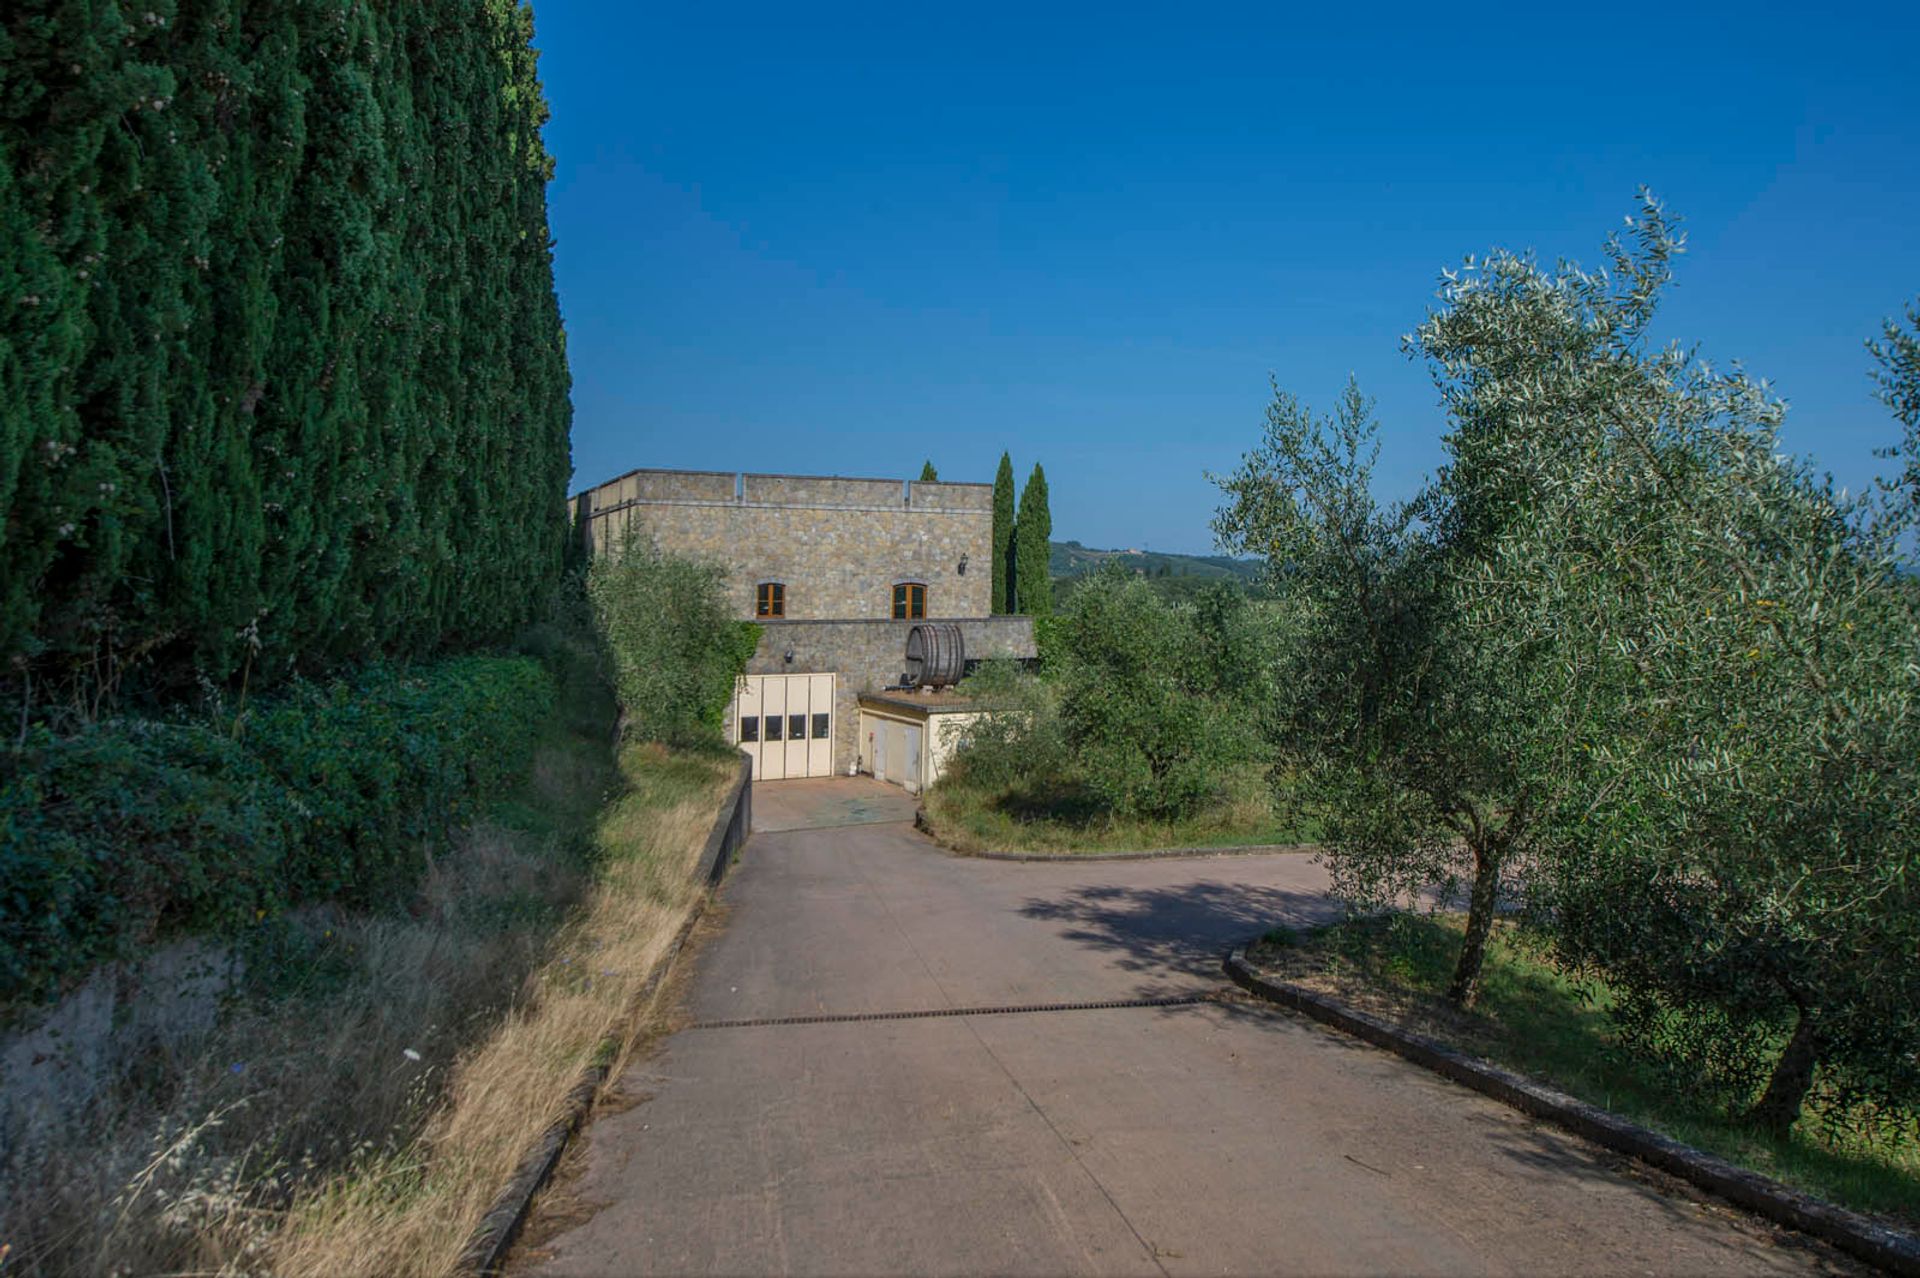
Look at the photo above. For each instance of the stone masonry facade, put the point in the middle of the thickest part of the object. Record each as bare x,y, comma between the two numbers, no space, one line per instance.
838,547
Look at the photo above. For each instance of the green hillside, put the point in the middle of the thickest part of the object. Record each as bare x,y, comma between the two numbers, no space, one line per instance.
1071,559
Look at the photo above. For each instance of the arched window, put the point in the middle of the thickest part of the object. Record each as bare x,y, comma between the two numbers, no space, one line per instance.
770,599
909,600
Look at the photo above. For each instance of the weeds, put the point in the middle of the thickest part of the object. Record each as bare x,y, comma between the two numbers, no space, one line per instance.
1062,816
341,1092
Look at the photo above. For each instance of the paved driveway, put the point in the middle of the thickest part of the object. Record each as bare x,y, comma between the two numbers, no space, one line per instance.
1166,1137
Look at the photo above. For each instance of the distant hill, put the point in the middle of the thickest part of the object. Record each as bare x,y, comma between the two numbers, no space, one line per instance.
1071,559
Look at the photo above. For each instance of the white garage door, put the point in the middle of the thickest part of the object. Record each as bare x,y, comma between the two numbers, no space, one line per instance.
785,722
891,750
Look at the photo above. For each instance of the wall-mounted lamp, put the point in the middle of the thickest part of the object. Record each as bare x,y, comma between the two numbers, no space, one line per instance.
787,656
963,563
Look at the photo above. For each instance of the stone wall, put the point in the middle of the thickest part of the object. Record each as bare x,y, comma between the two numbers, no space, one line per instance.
839,546
870,656
822,490
665,485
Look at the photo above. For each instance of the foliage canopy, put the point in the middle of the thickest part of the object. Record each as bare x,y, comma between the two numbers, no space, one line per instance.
1033,548
1654,679
282,377
675,648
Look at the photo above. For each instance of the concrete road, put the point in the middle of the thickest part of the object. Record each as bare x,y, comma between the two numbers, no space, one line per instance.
1155,1139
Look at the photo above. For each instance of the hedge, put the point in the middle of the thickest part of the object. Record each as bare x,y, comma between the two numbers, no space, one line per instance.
283,384
133,830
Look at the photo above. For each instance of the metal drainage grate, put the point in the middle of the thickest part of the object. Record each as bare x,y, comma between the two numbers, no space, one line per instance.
1015,1009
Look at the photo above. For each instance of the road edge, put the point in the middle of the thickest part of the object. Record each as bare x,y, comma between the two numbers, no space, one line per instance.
493,1238
1857,1235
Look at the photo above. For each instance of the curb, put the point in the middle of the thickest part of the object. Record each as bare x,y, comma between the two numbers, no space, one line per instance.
487,1248
925,827
1850,1231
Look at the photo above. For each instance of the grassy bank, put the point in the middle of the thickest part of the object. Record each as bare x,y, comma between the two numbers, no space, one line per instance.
1065,817
411,1211
343,1092
1534,1018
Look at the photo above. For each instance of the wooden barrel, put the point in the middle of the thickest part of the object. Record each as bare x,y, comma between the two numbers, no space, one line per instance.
936,654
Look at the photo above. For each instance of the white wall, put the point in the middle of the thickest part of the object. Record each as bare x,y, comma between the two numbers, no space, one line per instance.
940,735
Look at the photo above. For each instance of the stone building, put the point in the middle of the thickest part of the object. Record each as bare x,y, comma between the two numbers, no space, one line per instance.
836,572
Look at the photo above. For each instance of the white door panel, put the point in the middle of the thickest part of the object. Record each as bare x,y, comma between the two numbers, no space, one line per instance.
785,724
773,728
746,722
911,776
820,725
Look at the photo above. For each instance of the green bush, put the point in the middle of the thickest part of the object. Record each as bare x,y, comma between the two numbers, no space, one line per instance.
134,830
389,760
1153,708
675,646
1020,739
1160,702
130,830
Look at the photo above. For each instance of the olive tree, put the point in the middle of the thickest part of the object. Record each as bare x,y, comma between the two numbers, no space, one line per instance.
1400,731
1720,663
674,646
1736,663
1630,657
1436,765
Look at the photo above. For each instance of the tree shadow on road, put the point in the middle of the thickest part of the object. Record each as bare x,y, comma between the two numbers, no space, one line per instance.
1184,928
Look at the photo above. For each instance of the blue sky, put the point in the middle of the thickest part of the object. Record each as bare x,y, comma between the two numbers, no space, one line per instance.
842,243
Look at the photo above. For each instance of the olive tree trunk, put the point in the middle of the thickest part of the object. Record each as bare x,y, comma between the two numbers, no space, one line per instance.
1779,1106
1485,898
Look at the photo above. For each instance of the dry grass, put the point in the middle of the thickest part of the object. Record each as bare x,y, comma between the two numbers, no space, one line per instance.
349,1092
413,1211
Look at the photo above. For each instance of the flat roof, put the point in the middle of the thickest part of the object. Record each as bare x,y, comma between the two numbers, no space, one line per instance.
760,474
924,702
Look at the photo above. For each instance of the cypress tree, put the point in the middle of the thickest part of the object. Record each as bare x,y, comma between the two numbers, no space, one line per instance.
1033,547
928,475
286,386
1003,537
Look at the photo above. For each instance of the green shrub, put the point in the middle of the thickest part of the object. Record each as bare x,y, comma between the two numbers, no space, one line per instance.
1160,701
389,760
675,646
1153,709
134,830
1019,741
126,832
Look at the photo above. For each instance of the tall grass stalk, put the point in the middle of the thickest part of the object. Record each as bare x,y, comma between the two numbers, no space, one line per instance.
344,1093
